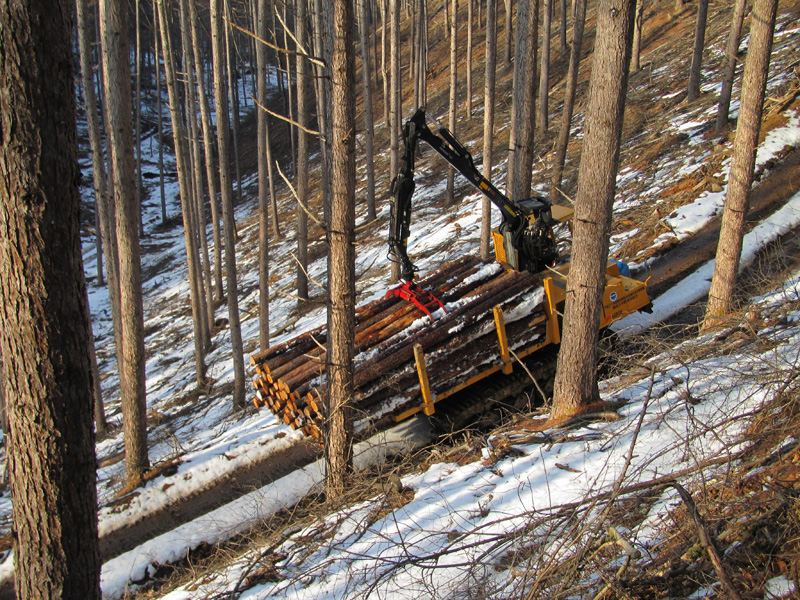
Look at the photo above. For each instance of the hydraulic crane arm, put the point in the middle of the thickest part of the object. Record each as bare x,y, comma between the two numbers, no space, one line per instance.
526,228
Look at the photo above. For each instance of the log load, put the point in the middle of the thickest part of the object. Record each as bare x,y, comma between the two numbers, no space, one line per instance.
458,345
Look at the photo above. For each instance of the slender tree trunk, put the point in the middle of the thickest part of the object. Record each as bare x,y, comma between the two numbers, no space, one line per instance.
210,143
508,32
159,117
290,111
44,317
748,127
523,107
488,119
138,125
637,37
233,95
301,177
385,76
468,67
229,226
395,106
569,101
341,258
563,27
729,70
93,125
114,34
263,178
544,73
576,373
323,48
699,43
199,279
184,184
450,198
369,126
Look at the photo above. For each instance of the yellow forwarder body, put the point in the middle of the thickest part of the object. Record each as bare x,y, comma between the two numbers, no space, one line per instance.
621,297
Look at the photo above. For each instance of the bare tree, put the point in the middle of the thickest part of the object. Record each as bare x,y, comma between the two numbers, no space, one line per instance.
101,193
450,197
385,76
562,34
264,177
699,43
369,125
209,143
468,67
341,257
523,103
636,51
576,373
754,82
569,100
508,32
396,105
184,185
114,36
301,176
488,119
323,47
544,73
229,226
729,70
44,316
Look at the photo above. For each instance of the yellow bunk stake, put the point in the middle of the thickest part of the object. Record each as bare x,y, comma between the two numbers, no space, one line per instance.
502,338
424,386
552,327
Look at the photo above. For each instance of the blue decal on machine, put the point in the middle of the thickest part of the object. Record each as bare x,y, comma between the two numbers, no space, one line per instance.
613,296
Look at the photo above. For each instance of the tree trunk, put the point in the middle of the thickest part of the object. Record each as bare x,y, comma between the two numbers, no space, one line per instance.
523,107
729,70
369,125
263,176
233,95
636,51
44,317
468,66
138,125
200,278
576,373
563,27
341,257
697,58
229,226
569,101
395,107
385,76
301,176
184,185
488,120
209,142
544,74
508,32
451,172
323,48
159,117
114,35
754,81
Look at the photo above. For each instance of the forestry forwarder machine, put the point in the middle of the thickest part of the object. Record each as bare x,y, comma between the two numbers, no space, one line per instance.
478,388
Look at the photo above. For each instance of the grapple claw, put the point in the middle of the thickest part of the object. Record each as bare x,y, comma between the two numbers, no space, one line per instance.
422,299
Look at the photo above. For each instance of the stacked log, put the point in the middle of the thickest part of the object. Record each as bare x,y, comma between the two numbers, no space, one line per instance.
458,344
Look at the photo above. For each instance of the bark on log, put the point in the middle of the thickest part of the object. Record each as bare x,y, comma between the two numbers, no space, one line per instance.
290,377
